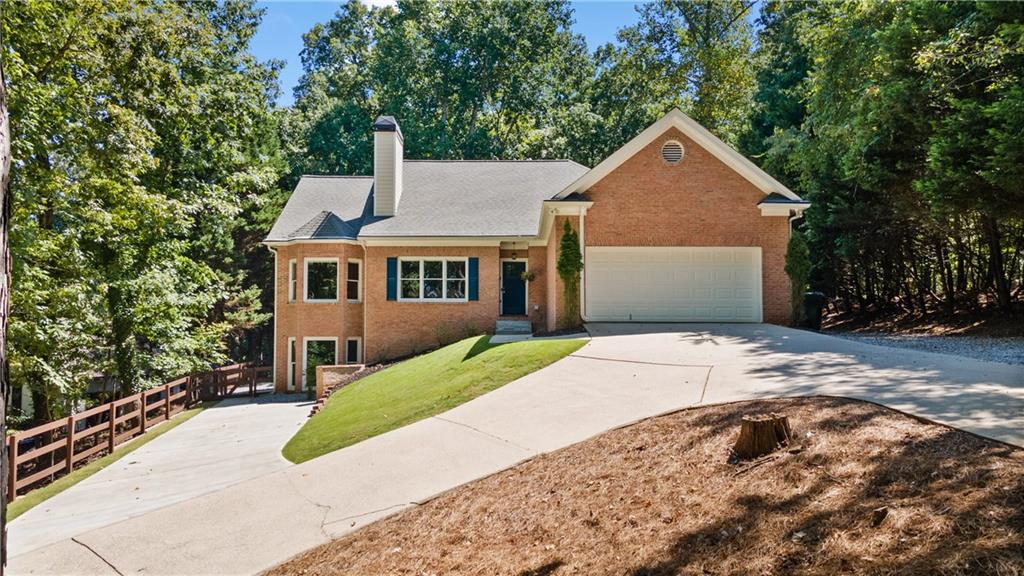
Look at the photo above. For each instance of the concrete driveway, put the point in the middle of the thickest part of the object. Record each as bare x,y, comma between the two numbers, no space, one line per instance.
761,360
626,373
229,442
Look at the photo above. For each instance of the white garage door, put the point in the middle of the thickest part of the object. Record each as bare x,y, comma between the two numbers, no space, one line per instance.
677,284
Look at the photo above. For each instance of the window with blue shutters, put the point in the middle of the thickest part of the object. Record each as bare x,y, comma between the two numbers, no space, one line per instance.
432,279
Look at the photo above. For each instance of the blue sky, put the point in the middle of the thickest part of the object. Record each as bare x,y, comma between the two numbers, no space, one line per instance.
284,23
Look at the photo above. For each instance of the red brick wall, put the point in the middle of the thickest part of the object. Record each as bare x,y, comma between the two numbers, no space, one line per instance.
699,202
312,319
397,329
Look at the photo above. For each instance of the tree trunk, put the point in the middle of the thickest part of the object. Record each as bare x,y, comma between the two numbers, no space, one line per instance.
5,293
762,434
995,259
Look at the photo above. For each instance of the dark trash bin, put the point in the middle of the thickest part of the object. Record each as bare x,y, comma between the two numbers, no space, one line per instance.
814,304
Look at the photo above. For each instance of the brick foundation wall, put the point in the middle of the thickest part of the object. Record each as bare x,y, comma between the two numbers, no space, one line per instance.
333,375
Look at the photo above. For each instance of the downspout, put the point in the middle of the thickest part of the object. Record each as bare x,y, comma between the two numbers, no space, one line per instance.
583,271
273,347
366,267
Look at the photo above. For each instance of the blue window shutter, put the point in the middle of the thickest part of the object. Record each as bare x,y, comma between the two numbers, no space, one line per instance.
474,278
392,278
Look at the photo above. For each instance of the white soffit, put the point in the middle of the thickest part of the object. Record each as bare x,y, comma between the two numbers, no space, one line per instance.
697,133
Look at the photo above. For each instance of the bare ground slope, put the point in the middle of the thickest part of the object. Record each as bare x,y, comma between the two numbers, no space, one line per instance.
660,498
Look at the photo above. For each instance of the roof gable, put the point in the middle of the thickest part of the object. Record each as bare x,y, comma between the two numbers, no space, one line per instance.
324,225
700,135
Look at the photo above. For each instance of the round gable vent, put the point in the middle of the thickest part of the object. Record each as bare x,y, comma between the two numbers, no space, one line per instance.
672,152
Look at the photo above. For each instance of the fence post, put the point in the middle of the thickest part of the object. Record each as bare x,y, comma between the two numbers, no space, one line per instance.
142,412
70,453
12,455
167,401
113,426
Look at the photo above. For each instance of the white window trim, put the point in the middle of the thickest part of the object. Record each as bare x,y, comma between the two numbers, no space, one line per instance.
444,284
305,355
305,280
359,282
526,294
359,350
292,362
293,281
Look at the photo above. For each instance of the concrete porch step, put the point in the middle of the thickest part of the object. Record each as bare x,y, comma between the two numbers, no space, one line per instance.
508,327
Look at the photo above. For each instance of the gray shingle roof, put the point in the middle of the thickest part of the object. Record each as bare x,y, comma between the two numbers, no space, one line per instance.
344,197
439,198
324,225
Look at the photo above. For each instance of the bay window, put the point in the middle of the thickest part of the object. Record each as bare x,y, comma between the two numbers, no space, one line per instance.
321,280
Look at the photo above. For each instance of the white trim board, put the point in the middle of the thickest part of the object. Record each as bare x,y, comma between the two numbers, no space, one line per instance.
676,119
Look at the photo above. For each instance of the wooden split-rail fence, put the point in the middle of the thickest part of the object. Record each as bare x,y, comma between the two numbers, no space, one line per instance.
39,455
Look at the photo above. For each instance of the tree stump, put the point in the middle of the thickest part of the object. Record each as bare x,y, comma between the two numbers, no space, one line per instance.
762,434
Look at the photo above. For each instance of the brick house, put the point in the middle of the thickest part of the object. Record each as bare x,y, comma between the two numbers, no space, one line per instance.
674,226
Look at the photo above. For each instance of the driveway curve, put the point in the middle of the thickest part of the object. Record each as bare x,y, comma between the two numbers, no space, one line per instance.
627,372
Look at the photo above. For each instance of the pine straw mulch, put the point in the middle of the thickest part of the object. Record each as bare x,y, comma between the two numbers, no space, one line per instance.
990,321
660,498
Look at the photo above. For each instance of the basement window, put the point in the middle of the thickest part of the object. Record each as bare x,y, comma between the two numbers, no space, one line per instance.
353,350
321,279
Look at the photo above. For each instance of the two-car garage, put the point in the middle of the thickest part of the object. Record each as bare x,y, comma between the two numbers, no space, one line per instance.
672,284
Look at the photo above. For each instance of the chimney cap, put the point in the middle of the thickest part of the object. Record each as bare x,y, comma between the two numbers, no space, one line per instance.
386,124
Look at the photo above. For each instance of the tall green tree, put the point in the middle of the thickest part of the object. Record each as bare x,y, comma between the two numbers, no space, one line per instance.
137,133
465,79
898,121
705,50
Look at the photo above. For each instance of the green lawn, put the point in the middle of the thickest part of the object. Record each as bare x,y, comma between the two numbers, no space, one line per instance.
419,388
28,501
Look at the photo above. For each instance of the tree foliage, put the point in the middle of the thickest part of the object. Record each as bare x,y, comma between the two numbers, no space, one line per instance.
570,264
798,268
897,120
138,143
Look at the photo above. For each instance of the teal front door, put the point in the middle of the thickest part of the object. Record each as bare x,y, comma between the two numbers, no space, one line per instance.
513,288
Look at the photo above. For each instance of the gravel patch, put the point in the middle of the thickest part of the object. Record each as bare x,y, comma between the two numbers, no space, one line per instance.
1008,350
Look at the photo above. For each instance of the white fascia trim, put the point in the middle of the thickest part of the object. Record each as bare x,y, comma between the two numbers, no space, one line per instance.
440,240
697,133
783,209
552,208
